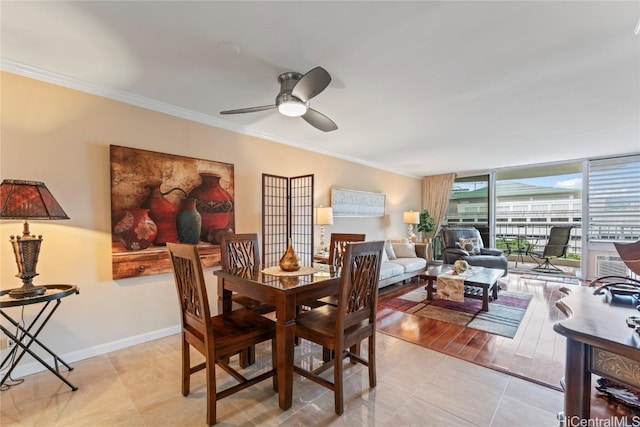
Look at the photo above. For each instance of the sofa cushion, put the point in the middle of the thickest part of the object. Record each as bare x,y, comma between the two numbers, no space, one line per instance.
389,269
404,250
388,248
410,264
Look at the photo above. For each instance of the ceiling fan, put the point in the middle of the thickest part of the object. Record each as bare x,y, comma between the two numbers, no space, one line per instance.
293,100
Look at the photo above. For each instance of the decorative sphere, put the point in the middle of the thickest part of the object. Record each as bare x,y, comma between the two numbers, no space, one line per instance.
460,266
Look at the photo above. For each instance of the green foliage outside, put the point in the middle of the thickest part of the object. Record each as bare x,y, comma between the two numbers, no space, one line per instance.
502,243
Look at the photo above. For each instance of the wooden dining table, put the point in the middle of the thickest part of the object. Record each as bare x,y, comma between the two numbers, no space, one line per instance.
285,293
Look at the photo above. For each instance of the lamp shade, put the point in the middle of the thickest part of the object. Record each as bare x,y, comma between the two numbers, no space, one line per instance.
411,217
28,200
324,216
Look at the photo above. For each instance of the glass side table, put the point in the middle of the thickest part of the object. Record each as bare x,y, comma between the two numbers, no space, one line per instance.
25,336
519,246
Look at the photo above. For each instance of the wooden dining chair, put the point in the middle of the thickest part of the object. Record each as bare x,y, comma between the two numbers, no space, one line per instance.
338,246
242,250
238,251
216,337
342,328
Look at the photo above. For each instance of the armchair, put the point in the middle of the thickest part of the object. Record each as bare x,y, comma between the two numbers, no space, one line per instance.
466,244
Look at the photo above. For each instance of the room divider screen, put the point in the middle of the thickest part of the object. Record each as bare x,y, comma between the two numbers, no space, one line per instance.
287,211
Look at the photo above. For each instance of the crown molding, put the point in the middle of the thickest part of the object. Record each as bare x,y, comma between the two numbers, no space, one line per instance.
162,107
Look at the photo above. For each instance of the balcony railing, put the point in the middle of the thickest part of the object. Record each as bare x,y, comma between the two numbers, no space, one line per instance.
533,234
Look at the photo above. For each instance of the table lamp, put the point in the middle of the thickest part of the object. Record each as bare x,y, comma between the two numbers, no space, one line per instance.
324,216
411,218
26,200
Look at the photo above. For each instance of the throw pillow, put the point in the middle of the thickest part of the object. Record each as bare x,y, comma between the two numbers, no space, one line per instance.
470,245
388,248
404,250
385,258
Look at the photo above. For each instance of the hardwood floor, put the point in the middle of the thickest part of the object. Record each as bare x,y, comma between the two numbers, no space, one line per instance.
536,352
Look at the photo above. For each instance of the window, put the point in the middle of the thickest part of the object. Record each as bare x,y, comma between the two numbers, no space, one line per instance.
614,199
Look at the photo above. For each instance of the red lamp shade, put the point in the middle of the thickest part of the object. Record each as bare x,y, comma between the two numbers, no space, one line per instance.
28,200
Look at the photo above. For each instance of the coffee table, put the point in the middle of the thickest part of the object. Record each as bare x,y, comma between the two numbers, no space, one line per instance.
478,285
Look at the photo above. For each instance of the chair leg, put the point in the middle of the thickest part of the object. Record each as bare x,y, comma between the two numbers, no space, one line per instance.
247,357
355,349
338,389
372,361
547,267
327,354
186,367
211,390
274,363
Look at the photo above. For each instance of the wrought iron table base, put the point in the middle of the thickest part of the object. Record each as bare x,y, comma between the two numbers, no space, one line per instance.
23,335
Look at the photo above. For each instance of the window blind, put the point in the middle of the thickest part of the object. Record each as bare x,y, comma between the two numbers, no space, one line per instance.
614,199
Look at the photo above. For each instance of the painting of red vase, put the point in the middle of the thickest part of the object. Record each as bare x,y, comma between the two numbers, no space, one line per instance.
158,198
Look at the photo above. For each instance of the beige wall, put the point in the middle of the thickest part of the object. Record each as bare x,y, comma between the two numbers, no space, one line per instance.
61,137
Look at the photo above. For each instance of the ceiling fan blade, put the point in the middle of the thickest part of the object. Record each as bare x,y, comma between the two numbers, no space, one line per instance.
311,84
319,120
249,110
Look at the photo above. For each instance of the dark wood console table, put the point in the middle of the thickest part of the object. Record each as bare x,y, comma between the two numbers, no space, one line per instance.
599,342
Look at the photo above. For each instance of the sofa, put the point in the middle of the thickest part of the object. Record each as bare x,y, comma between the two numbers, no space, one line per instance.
401,260
466,244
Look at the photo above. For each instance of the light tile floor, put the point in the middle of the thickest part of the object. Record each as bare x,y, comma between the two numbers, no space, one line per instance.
140,386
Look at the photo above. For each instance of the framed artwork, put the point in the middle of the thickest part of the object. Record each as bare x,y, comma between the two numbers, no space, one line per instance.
158,198
353,203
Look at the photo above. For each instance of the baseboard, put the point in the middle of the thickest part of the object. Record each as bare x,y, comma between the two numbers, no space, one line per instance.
24,369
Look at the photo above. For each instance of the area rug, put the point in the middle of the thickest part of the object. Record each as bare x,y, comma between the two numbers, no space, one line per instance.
503,318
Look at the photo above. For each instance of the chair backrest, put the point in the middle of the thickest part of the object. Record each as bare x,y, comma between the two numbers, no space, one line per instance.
558,241
338,246
630,255
192,293
358,294
239,250
450,237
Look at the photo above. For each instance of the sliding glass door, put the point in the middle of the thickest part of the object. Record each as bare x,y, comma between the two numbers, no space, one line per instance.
529,201
469,206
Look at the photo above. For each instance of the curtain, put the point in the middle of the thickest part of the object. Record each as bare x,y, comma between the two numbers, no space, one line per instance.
436,190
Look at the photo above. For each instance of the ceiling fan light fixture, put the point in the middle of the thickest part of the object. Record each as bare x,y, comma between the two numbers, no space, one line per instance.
292,108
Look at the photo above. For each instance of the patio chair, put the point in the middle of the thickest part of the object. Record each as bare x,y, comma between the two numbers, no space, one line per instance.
556,247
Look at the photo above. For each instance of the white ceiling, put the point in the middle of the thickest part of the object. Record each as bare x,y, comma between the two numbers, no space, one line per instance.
418,88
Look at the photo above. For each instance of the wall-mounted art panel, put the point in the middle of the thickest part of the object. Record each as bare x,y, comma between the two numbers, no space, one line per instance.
353,203
158,198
